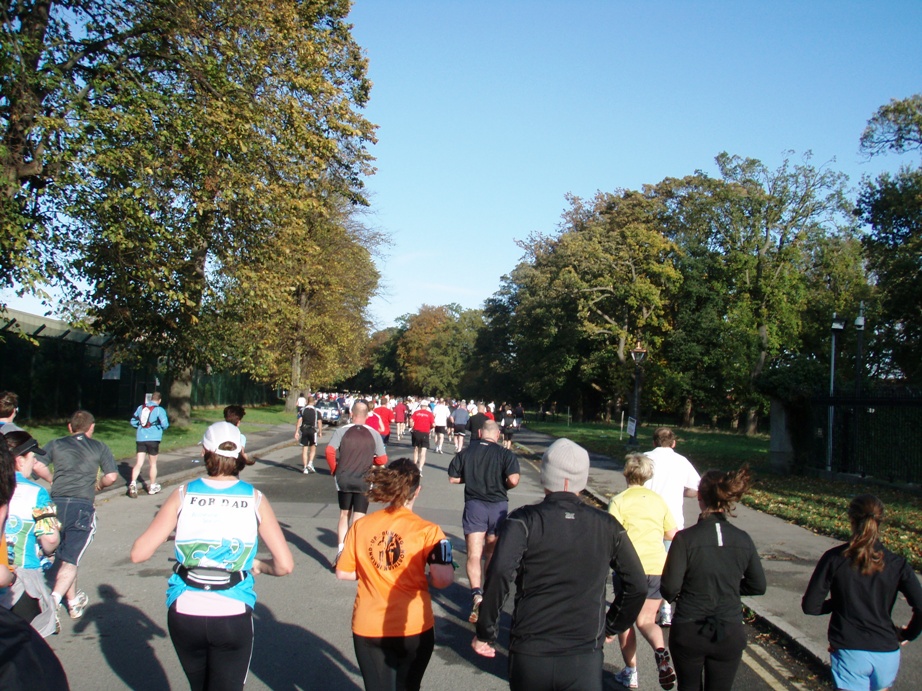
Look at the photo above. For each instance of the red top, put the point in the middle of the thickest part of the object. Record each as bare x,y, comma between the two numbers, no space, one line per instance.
423,419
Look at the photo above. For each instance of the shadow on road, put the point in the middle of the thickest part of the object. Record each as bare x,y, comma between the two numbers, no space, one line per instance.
289,658
125,633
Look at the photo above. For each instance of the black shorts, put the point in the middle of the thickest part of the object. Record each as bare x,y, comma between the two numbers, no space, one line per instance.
354,501
440,429
460,430
507,433
420,439
78,525
151,448
308,439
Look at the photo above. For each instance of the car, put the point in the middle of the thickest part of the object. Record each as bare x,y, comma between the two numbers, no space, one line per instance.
330,413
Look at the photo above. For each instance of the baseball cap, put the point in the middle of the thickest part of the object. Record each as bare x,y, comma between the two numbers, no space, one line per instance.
29,445
221,432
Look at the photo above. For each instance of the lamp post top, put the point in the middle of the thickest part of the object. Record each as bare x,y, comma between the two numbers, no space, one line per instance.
638,353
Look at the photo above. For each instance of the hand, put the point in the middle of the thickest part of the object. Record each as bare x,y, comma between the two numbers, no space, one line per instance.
257,567
483,648
610,639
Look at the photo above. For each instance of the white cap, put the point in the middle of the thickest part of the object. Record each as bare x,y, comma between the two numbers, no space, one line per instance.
221,432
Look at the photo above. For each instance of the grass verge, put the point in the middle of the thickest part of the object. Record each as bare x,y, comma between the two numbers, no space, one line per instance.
817,504
119,435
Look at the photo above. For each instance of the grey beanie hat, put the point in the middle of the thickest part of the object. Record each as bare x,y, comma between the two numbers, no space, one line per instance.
565,461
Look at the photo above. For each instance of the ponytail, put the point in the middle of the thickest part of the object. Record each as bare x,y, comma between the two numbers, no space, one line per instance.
866,513
395,483
720,491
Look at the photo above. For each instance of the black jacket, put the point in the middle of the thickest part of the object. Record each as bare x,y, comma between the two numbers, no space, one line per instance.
861,604
709,566
560,553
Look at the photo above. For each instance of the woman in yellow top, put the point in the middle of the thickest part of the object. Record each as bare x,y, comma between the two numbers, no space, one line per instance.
387,552
648,521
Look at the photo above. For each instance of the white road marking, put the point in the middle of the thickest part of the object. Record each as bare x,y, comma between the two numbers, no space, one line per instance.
770,662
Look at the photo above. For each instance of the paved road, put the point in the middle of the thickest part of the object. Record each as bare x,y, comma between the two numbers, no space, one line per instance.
302,622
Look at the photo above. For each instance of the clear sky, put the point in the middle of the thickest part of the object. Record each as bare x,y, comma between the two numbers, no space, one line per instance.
491,111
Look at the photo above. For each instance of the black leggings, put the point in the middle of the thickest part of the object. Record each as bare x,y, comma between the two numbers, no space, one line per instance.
694,652
214,651
394,663
581,672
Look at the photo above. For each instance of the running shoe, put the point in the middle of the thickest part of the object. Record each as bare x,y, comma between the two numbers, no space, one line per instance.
311,468
664,618
154,488
627,677
475,609
666,672
57,620
133,490
306,471
78,604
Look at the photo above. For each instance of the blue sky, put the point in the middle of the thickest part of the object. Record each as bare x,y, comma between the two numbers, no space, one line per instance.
490,112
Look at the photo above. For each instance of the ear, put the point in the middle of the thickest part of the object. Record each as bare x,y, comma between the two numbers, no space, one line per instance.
566,484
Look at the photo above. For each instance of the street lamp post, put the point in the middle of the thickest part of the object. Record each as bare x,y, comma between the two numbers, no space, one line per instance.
837,326
637,354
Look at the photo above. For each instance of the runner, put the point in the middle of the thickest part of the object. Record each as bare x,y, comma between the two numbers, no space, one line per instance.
440,414
400,417
211,596
31,534
459,419
710,565
308,428
360,447
648,521
150,420
862,579
421,422
234,415
387,552
508,424
386,416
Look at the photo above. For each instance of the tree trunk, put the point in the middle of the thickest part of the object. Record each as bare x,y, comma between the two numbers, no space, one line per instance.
752,421
688,413
180,405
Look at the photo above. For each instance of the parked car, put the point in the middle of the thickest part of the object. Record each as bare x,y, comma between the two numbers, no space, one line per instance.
329,412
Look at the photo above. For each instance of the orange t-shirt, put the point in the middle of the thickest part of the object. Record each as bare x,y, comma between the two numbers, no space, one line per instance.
388,550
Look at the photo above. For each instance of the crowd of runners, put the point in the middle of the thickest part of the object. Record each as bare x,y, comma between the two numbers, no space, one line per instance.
558,554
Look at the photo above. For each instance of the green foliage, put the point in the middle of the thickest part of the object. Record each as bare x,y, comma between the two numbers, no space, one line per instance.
896,126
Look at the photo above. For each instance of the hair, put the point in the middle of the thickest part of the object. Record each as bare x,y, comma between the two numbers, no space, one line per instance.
663,436
309,401
216,464
638,468
8,403
81,421
156,396
16,439
234,414
7,475
359,409
866,513
394,483
720,491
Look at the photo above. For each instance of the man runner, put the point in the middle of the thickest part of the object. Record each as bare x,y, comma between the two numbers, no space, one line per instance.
308,429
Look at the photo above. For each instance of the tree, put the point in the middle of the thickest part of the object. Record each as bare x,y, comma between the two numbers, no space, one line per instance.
896,127
225,153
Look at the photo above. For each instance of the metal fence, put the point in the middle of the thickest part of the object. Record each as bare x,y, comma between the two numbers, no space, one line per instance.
872,436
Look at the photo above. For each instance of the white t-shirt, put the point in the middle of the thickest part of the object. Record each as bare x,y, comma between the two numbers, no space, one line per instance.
672,475
441,413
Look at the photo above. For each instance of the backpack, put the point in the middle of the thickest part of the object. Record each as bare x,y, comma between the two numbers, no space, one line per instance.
144,416
308,426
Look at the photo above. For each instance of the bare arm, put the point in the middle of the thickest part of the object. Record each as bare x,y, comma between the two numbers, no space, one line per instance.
670,534
346,575
40,470
455,480
691,492
158,531
106,480
441,575
512,480
281,563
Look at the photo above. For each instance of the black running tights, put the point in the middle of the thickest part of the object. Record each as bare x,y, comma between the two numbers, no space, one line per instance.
694,653
394,663
214,651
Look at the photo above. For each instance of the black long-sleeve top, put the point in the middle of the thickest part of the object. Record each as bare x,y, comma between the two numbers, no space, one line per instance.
560,552
861,604
709,566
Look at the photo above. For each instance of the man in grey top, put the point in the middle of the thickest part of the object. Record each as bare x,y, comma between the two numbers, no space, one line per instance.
77,460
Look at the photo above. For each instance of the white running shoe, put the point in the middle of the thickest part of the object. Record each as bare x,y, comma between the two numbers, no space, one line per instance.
627,677
154,488
306,471
133,490
78,605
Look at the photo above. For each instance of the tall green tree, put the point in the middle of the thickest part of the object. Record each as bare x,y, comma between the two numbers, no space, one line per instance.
892,206
219,157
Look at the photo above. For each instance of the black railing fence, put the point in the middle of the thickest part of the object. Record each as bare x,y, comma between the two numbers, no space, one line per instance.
872,436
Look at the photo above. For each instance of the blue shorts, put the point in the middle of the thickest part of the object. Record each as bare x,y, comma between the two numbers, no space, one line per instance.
864,670
78,525
483,516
